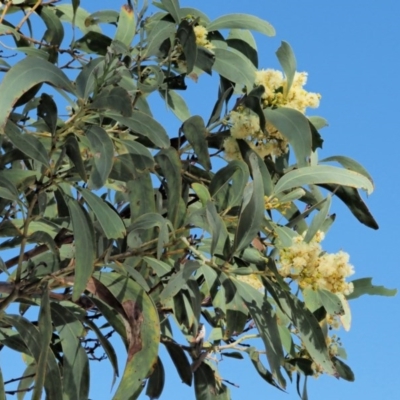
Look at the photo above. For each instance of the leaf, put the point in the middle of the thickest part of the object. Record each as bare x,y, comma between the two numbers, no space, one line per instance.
74,154
355,203
75,360
218,229
321,174
223,98
204,383
161,268
195,131
295,127
243,41
143,332
86,81
179,358
318,122
27,143
54,34
141,195
155,384
246,151
141,156
107,346
176,103
102,150
343,370
170,164
252,213
93,43
172,6
364,286
308,327
266,321
108,218
314,299
76,16
145,222
126,28
117,99
161,31
47,109
84,246
145,125
234,66
241,21
187,39
23,76
318,220
32,338
349,163
177,281
205,60
288,62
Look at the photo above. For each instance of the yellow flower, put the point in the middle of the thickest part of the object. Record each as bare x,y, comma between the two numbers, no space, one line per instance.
201,37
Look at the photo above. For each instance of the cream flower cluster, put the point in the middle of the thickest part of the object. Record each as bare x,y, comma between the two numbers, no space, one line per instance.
201,37
275,86
310,267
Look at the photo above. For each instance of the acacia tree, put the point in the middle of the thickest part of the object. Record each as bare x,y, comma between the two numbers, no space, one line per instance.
121,228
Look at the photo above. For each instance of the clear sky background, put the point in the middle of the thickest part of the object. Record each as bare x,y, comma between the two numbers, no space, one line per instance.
350,50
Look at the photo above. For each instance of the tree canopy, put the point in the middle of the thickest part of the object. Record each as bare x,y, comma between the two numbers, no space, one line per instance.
113,226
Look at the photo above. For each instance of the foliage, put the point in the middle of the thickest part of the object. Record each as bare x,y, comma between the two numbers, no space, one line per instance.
120,227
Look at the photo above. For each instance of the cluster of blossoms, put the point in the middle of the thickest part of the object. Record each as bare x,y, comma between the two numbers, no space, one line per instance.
310,267
245,124
201,37
275,87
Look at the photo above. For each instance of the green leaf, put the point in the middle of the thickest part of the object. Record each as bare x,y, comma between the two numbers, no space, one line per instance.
318,220
179,358
54,34
177,281
318,122
2,389
252,213
126,28
170,164
155,384
75,360
218,232
141,195
143,331
86,81
176,103
288,62
108,218
187,39
314,299
115,99
93,43
32,338
74,154
321,174
27,143
295,127
364,286
241,21
243,41
140,155
172,6
84,246
160,32
343,370
161,268
195,131
149,221
308,327
204,383
349,163
107,346
102,149
23,76
145,125
76,16
26,382
234,66
47,109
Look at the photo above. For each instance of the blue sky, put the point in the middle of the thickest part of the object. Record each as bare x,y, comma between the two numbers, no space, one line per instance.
350,50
